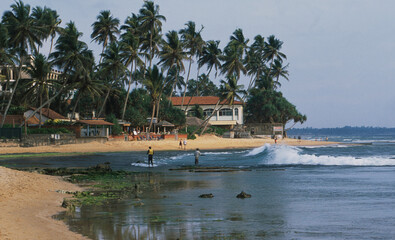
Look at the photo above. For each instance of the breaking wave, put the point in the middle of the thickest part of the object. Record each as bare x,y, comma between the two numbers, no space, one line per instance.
288,155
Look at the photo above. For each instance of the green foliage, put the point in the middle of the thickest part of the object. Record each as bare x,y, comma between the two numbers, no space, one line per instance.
171,114
116,129
210,130
196,111
269,106
46,130
203,87
17,110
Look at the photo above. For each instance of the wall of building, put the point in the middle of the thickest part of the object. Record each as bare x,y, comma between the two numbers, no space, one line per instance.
238,119
34,140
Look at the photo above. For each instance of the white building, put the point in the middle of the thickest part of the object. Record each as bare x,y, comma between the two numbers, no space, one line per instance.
227,116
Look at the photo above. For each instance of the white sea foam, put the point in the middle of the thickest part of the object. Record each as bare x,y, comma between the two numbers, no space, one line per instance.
288,155
140,164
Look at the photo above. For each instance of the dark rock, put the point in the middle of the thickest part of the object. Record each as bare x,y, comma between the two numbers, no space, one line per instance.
243,195
209,195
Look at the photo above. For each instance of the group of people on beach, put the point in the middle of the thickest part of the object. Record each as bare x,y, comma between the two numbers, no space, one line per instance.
183,143
150,153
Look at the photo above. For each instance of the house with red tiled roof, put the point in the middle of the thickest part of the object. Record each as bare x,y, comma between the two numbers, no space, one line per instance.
227,116
47,114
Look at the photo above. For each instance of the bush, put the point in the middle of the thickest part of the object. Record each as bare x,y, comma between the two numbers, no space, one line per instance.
46,130
116,129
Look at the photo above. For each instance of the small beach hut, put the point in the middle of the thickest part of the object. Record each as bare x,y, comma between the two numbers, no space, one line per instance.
163,125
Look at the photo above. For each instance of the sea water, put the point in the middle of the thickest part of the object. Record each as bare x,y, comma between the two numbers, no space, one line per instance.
342,191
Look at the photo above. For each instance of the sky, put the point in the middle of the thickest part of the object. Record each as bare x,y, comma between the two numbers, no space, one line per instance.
341,53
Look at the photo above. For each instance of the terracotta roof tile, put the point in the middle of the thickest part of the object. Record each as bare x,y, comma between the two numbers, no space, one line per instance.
205,100
51,114
95,122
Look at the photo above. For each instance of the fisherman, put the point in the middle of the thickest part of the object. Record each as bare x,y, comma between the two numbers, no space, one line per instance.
150,153
197,155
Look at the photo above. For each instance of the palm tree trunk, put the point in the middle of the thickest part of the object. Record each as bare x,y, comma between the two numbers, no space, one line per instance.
75,107
102,51
104,103
186,83
197,89
50,49
207,119
150,47
157,110
152,117
41,112
13,92
205,126
127,93
174,86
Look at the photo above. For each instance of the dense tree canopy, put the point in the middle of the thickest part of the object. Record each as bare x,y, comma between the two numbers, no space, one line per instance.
139,67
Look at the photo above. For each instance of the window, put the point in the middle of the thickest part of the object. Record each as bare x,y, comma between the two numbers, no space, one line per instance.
236,112
208,112
225,112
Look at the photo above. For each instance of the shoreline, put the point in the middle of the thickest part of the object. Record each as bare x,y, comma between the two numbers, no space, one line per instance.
28,201
207,142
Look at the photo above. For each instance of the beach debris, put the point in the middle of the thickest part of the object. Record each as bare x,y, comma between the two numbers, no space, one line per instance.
243,195
207,195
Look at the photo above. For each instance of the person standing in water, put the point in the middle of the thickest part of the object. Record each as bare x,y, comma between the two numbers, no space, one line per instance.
197,155
185,144
150,153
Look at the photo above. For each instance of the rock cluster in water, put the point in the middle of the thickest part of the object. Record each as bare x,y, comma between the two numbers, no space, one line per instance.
243,195
209,195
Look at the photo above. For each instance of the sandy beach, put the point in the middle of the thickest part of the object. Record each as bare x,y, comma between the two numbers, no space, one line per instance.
203,142
27,203
29,200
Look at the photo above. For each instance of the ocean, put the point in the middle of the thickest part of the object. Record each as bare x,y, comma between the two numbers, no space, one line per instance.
342,191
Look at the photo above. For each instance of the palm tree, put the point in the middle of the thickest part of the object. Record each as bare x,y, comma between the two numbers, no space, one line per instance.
155,83
86,85
39,70
131,54
194,43
233,55
233,64
173,54
239,41
105,29
150,20
211,56
72,56
254,60
113,66
53,22
272,51
24,34
279,70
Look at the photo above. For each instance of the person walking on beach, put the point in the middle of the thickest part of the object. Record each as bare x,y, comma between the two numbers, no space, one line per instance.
150,153
197,155
185,144
180,145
